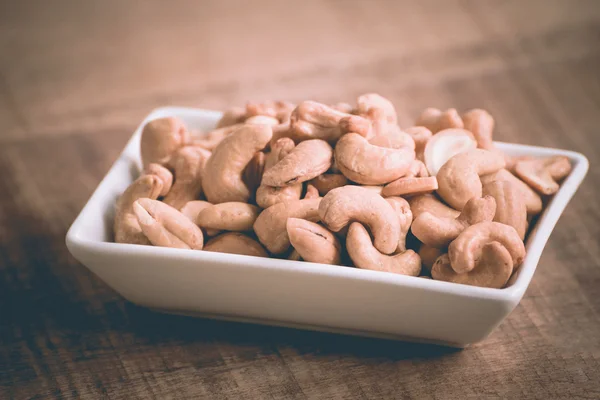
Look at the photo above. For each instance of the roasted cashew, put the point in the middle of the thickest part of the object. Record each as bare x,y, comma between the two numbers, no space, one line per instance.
364,255
233,116
231,216
467,248
444,145
266,196
223,171
510,205
275,109
307,160
533,201
410,186
164,226
163,174
430,203
270,226
420,136
212,139
161,138
368,164
436,120
235,243
402,209
439,231
493,269
313,242
428,256
458,179
481,124
188,163
326,182
354,203
369,102
544,174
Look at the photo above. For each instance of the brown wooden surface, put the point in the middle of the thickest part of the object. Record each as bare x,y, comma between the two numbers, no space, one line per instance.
76,77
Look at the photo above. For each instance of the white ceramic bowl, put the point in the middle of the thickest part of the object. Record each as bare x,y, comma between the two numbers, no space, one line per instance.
293,293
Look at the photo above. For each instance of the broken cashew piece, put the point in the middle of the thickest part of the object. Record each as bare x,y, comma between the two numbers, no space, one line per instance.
313,242
510,205
188,163
231,216
532,200
235,243
355,203
410,186
544,174
161,138
435,120
458,179
481,124
444,145
467,248
364,255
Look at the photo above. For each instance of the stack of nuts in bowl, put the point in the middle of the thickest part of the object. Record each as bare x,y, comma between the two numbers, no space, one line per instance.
342,185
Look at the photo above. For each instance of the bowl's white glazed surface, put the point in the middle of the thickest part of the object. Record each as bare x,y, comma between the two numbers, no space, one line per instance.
294,293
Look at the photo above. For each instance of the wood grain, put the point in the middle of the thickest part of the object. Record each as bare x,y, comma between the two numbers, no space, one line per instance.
77,77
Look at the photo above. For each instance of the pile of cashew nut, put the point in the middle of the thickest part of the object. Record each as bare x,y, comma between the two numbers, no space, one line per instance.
342,185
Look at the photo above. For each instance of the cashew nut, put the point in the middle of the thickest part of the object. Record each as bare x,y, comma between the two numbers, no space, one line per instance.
430,203
274,109
313,242
440,231
270,226
417,169
436,120
368,164
266,196
235,243
309,159
164,226
343,107
326,182
230,216
191,209
262,120
402,209
188,164
481,124
391,136
458,179
165,176
364,255
467,248
410,186
372,101
354,203
420,136
223,171
444,145
161,138
544,174
510,205
532,200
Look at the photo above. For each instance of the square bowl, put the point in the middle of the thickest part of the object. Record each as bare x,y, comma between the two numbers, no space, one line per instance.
294,293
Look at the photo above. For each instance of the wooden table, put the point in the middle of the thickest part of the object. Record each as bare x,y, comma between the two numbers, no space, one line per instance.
77,77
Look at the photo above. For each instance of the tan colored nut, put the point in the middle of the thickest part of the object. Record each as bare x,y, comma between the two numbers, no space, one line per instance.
367,164
391,136
428,256
436,120
223,172
402,210
481,124
364,255
354,203
309,159
420,136
410,186
266,196
262,120
275,109
367,103
467,248
311,192
458,179
212,139
439,232
493,270
235,243
163,174
357,124
126,227
191,210
444,145
544,174
231,216
233,116
188,164
313,242
312,120
343,107
164,226
510,205
430,203
326,182
161,138
270,226
252,174
533,201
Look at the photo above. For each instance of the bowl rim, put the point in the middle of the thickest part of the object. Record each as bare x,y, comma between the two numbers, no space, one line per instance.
538,237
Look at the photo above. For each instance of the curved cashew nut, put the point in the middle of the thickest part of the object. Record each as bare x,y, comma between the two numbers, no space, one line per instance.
467,248
430,203
231,216
532,200
223,171
266,196
161,138
544,174
233,116
355,203
402,209
364,255
212,139
369,102
235,243
327,182
307,160
188,164
481,124
458,179
270,226
444,145
493,269
420,136
510,205
410,186
313,242
280,110
439,231
436,120
428,256
164,226
165,176
367,164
